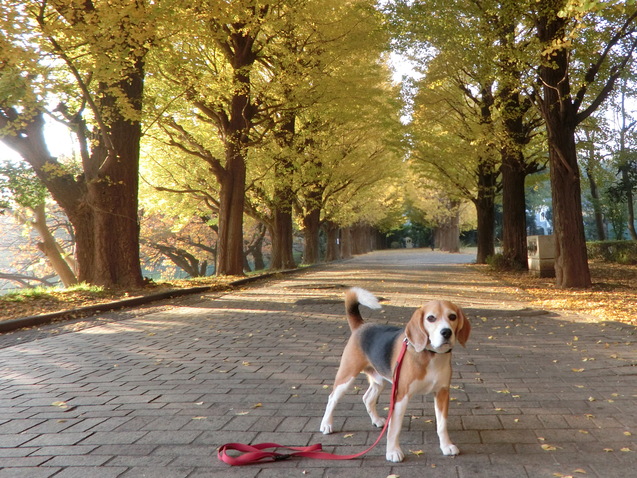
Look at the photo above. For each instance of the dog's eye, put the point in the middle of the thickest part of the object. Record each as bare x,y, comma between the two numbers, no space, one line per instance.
453,316
431,318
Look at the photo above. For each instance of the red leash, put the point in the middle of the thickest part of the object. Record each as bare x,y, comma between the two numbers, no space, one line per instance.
255,453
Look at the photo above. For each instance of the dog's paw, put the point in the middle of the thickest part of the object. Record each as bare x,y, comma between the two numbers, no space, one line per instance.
449,450
326,428
379,422
395,455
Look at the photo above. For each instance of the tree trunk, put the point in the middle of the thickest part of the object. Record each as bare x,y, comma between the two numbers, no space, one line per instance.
101,204
283,229
231,206
333,242
113,198
346,242
282,240
513,209
448,233
51,249
233,178
597,209
485,208
311,232
559,112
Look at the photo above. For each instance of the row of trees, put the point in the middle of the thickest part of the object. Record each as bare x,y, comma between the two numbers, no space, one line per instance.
281,113
274,109
503,79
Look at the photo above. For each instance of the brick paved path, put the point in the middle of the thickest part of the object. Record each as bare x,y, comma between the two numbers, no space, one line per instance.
153,392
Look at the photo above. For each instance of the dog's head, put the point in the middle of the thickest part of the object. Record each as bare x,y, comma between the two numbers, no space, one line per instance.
437,326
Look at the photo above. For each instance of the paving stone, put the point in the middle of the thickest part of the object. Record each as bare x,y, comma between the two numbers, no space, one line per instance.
154,391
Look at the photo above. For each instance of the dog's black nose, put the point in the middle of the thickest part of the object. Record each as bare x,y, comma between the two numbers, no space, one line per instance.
446,333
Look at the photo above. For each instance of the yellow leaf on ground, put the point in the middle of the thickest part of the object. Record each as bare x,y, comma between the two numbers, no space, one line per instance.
547,447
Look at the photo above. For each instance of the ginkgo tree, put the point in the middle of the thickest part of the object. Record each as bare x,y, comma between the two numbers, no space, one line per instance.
82,63
229,91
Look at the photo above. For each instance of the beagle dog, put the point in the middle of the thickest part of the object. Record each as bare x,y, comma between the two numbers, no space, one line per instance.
373,349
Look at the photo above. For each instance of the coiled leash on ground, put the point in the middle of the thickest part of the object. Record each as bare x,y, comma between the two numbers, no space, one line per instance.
251,454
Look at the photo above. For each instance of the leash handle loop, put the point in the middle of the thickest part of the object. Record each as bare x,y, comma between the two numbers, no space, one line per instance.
256,453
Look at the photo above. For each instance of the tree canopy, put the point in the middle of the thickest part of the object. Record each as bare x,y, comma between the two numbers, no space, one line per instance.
261,122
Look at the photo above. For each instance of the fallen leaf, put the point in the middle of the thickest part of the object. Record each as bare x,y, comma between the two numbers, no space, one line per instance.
417,452
547,447
349,435
257,405
628,434
199,418
625,449
577,370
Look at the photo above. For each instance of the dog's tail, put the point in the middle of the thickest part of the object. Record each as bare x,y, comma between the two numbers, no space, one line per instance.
355,297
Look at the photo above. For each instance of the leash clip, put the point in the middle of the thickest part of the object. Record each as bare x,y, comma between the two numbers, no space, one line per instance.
281,457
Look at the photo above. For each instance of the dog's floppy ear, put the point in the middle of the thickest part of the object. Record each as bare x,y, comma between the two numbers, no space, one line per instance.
415,331
464,328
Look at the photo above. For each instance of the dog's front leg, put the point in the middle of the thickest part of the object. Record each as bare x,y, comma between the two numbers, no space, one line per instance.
442,410
394,452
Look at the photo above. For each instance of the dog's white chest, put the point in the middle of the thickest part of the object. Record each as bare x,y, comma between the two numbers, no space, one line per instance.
438,375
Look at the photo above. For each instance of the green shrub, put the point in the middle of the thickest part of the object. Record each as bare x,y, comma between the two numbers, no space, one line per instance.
621,252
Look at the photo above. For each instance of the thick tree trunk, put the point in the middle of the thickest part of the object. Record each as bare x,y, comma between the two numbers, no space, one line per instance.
571,261
113,199
333,252
559,112
311,232
102,203
514,210
346,242
282,240
233,178
283,229
448,233
485,208
231,206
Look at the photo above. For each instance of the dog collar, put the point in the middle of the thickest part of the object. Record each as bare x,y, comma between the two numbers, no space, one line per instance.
406,340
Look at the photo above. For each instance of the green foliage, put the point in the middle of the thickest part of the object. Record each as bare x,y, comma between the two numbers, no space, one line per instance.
621,252
501,263
19,185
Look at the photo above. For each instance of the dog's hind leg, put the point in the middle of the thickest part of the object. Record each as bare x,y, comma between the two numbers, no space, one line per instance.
335,396
376,386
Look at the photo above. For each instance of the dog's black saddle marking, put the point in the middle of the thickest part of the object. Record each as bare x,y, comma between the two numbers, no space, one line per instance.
377,341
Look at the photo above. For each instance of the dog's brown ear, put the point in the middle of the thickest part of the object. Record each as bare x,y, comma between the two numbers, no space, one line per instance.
415,331
464,328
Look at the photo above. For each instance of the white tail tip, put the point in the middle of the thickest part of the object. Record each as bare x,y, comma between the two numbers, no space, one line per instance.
366,298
